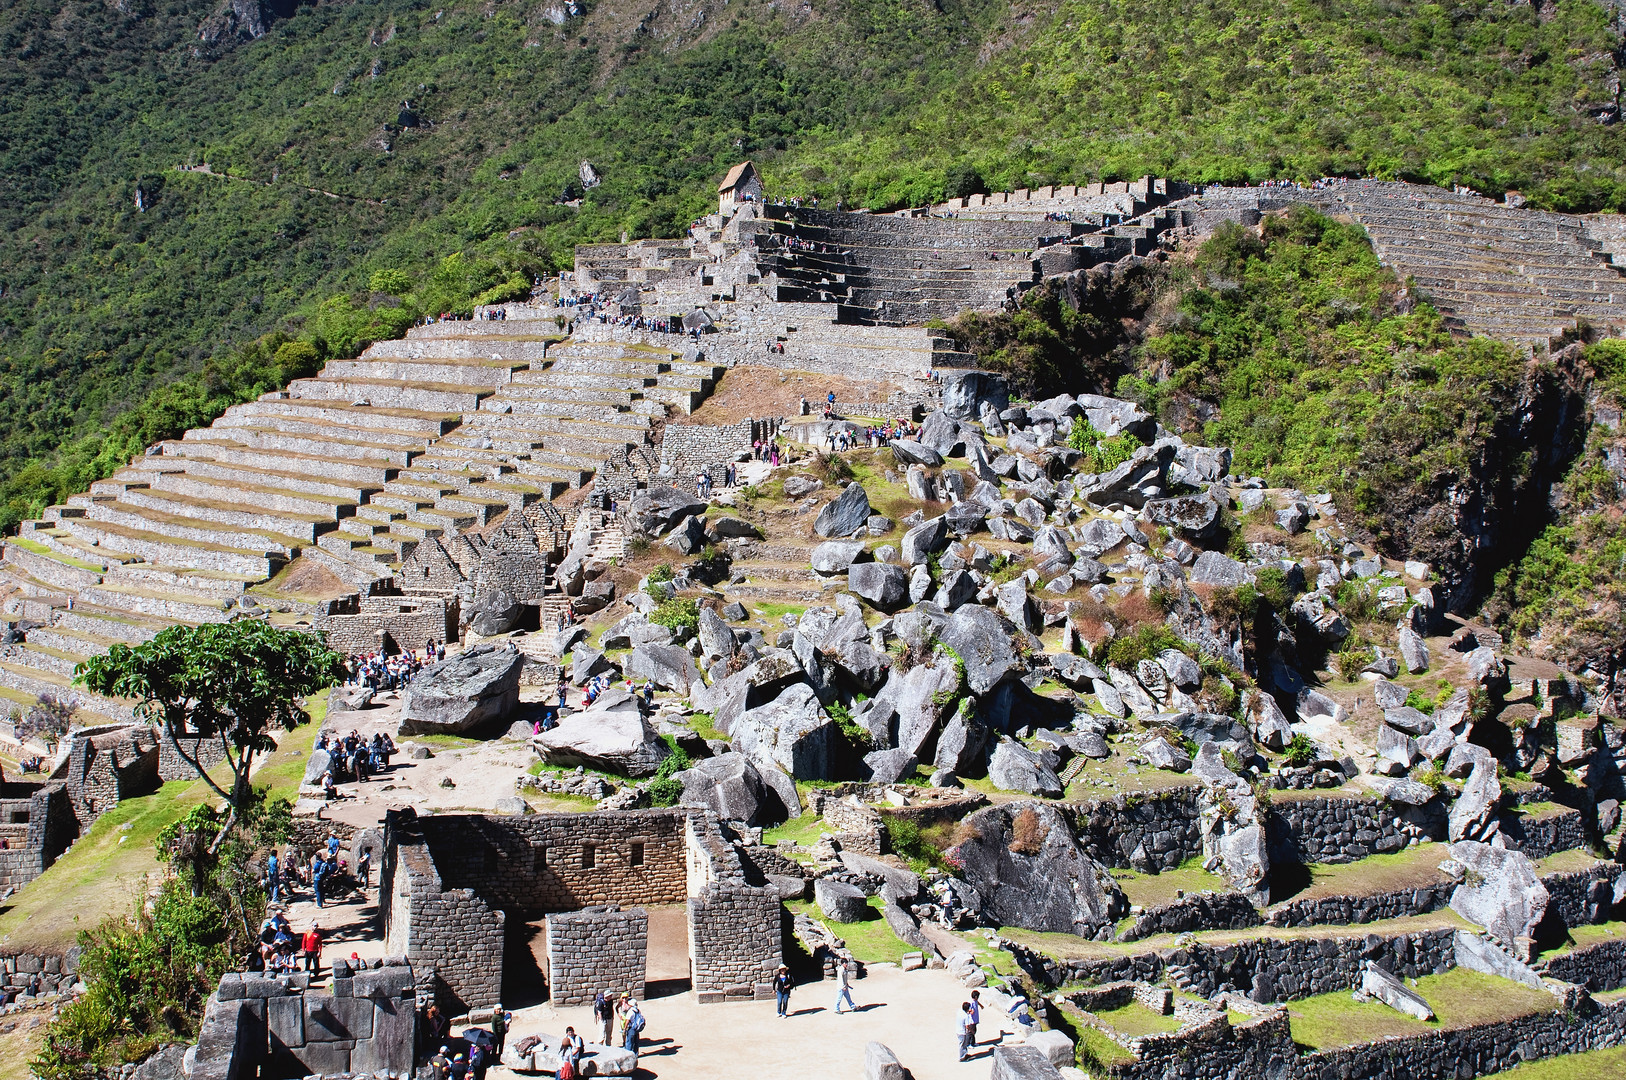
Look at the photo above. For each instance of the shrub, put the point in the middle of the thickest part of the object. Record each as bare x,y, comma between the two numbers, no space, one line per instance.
1300,752
1351,662
1144,643
679,613
1417,701
1356,601
1273,588
663,790
1027,833
854,732
662,572
1430,776
912,842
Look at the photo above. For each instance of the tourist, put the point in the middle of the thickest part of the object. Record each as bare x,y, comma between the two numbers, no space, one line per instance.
782,983
477,1061
440,1066
633,1022
571,1049
364,869
967,1029
604,1015
460,1068
1020,1010
436,1025
499,1030
312,946
273,878
976,1014
844,987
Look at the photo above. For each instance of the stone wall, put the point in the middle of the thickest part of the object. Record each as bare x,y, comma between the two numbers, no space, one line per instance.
39,828
1267,969
597,948
279,1028
1264,1047
1335,829
1363,909
1147,832
1597,967
56,973
172,766
689,449
1198,911
1580,897
107,764
542,863
1539,837
388,624
736,930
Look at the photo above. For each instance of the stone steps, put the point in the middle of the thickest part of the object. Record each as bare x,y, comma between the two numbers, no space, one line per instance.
37,683
249,478
154,602
195,530
305,527
391,393
427,423
180,581
320,428
90,620
359,470
330,446
280,500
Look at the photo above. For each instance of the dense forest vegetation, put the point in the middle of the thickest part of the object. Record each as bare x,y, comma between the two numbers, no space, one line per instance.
386,135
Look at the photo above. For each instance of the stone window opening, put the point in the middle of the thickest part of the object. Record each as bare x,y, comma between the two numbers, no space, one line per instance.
637,856
589,857
539,857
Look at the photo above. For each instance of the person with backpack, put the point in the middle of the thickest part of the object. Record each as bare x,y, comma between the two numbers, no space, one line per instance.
571,1049
634,1021
604,1015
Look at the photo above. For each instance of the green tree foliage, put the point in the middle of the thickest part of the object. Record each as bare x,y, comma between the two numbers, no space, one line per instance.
147,974
233,682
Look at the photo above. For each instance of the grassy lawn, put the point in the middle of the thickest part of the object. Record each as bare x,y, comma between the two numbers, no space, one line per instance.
1152,890
772,612
1597,1065
1136,1020
1407,869
1108,777
1581,937
804,830
445,742
1096,1050
1460,998
18,1045
1565,861
871,941
105,872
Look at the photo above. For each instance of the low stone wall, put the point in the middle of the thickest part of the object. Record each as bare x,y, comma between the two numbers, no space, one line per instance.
1363,909
172,766
595,948
1266,969
1199,911
1147,832
736,927
56,973
693,448
1264,1047
1539,837
1336,829
1580,897
1597,967
278,1028
107,764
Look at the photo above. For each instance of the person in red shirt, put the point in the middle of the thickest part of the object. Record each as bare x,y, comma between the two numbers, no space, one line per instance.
312,945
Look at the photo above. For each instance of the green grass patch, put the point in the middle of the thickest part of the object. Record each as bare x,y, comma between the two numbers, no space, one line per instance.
1460,998
803,830
1594,1065
1153,890
871,941
1136,1020
40,549
446,742
773,611
1411,868
704,725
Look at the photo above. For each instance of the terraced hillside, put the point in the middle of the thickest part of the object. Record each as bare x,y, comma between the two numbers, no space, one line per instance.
445,430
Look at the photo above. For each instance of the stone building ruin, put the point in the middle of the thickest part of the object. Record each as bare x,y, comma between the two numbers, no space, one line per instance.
457,892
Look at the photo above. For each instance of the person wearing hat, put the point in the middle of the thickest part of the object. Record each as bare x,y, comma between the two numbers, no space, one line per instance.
440,1066
459,1069
604,1015
782,983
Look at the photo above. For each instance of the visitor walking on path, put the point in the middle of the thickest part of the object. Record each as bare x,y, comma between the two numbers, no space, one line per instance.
273,878
782,983
844,988
968,1029
976,1014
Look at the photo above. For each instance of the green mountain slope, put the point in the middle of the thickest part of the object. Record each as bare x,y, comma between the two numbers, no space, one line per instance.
375,134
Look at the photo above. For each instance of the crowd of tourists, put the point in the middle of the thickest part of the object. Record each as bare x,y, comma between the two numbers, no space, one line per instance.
376,671
352,757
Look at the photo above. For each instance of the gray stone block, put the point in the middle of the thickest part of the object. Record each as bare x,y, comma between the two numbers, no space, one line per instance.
1022,1063
286,1019
395,1033
335,1019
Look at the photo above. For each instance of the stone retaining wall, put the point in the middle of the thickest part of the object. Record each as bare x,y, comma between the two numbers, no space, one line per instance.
1265,1048
1597,967
172,766
55,973
1539,837
1363,909
278,1028
107,764
594,949
1335,829
1147,832
689,449
1580,897
1267,969
1199,911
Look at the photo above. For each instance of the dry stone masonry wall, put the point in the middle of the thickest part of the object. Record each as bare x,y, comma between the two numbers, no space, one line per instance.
594,949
